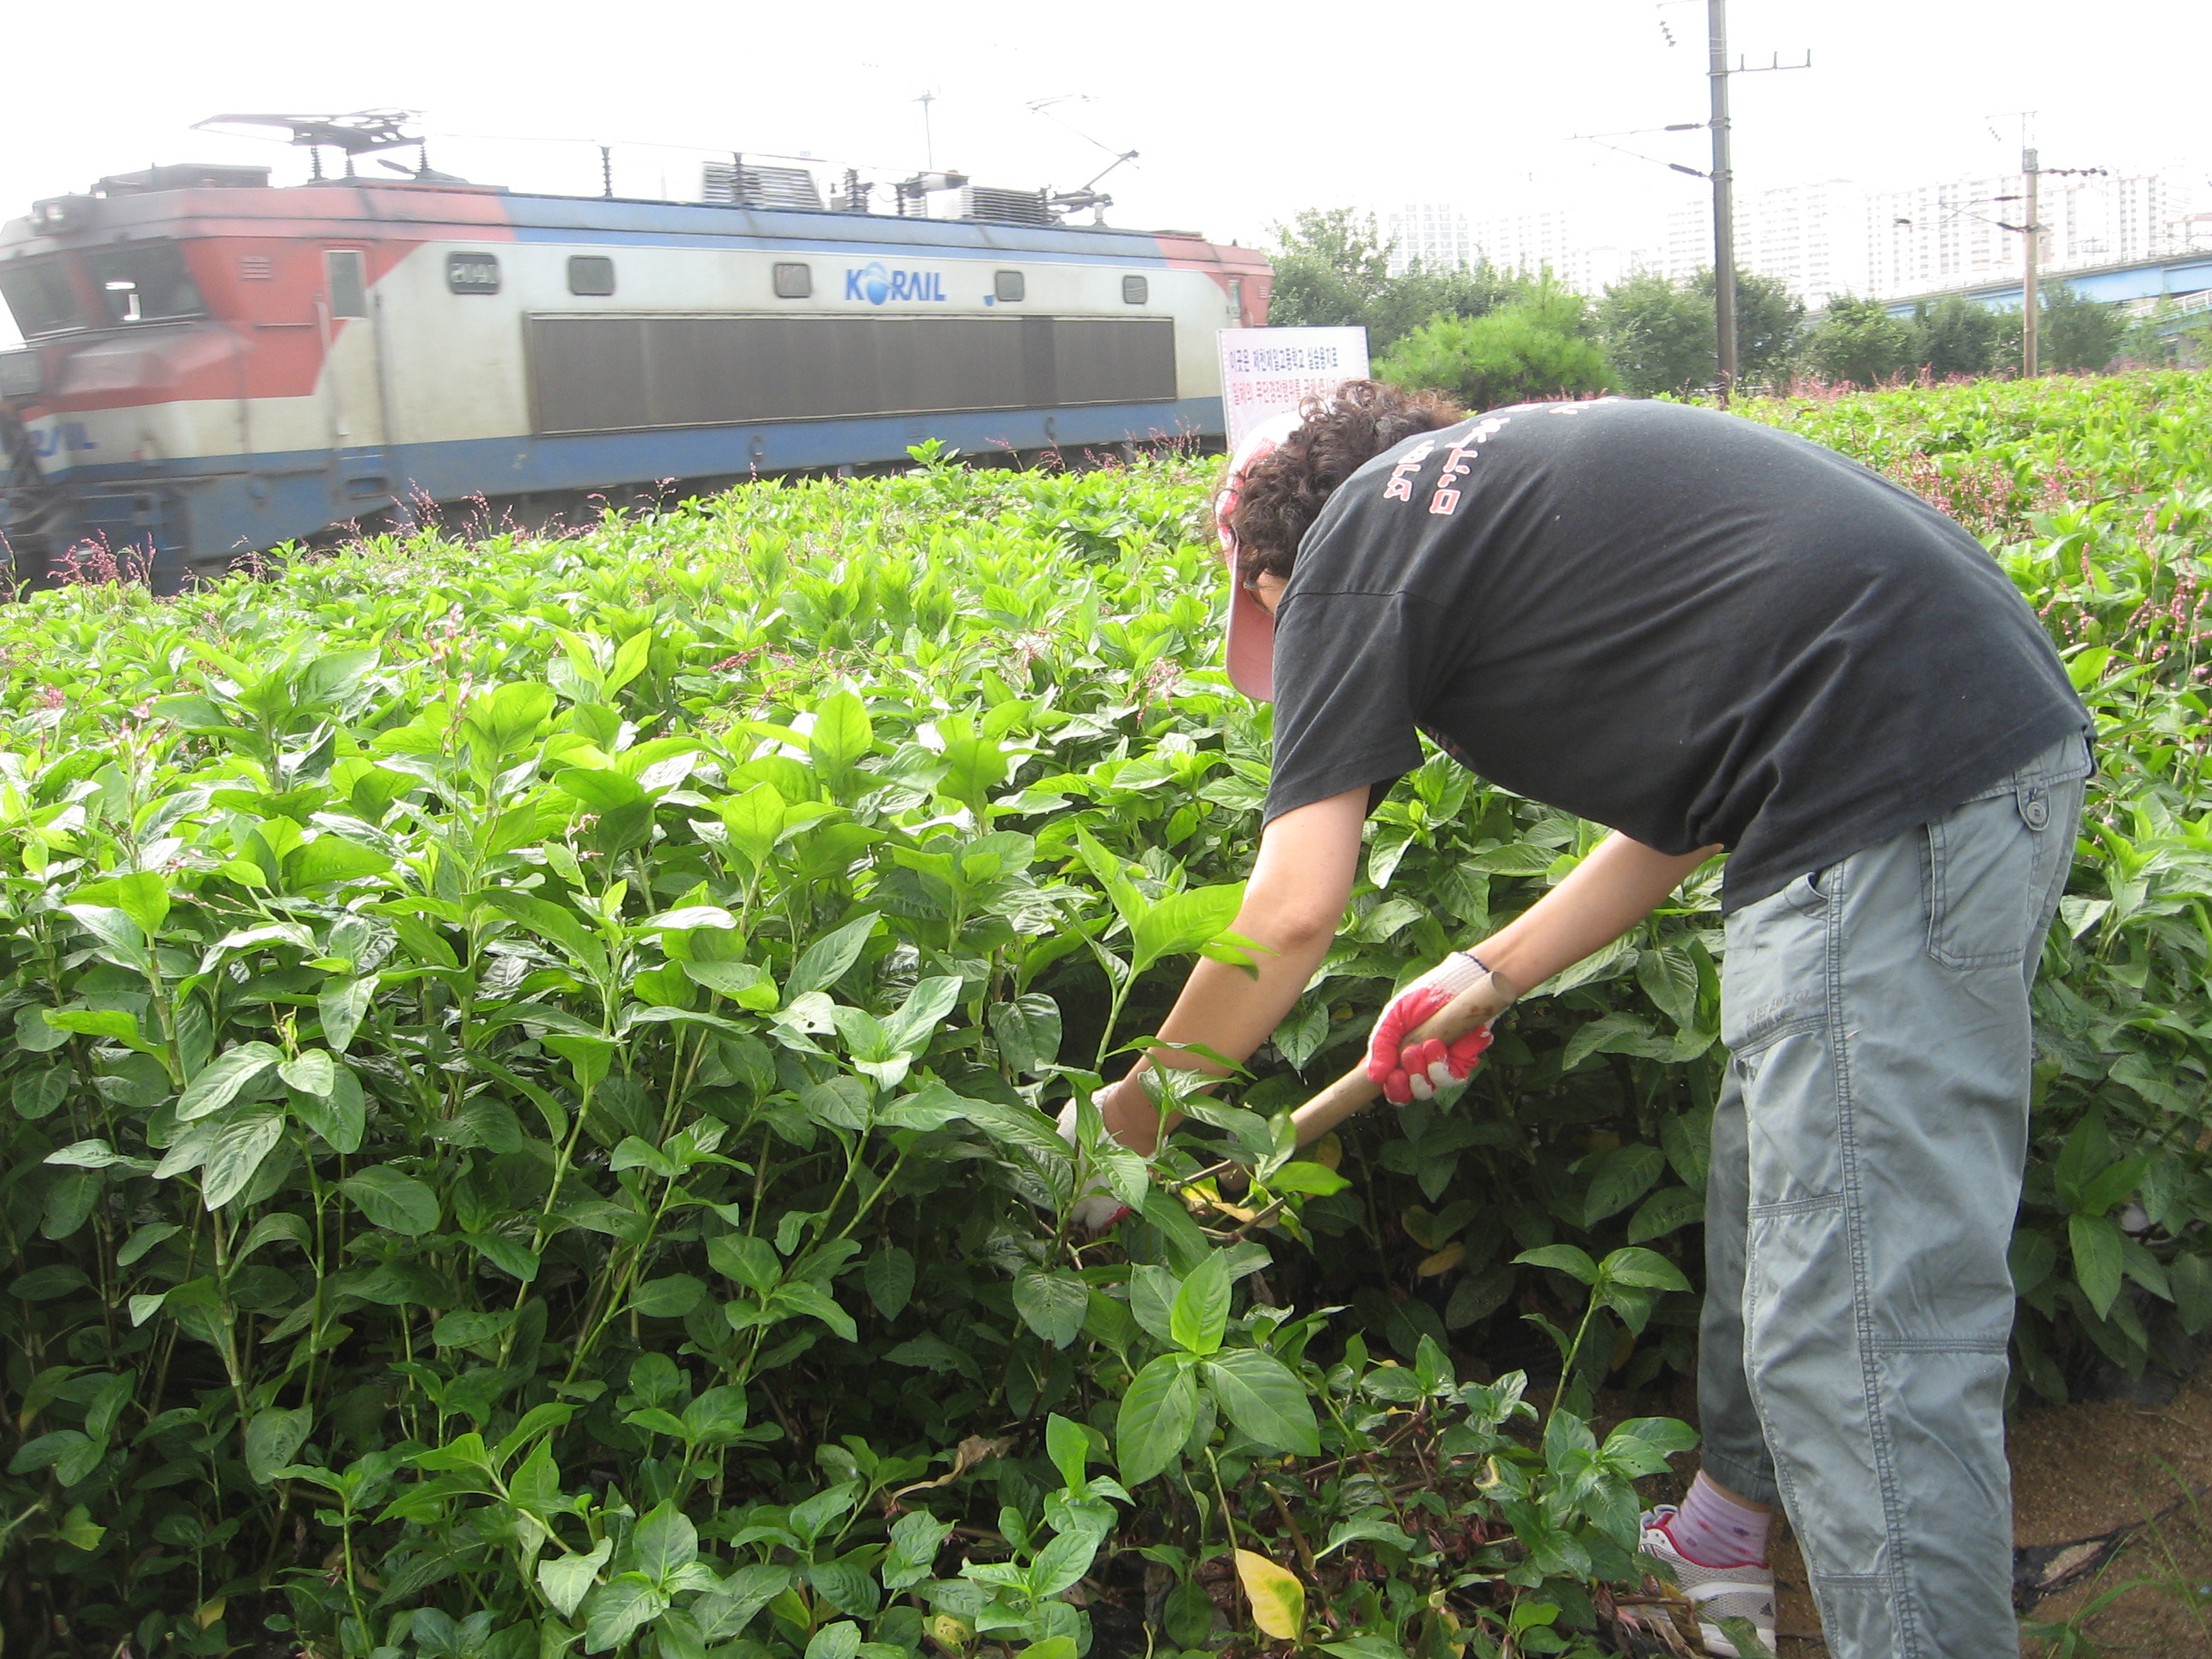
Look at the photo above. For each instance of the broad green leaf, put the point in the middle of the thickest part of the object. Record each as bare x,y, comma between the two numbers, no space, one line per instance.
341,1117
142,895
1052,1303
344,1003
1564,1257
887,1276
566,1579
398,1203
459,1330
1182,924
1278,1599
1669,977
2098,1259
842,733
1157,1416
312,1073
1662,1213
331,858
1647,1269
630,660
561,927
917,1019
803,1297
1062,1563
235,1153
725,1613
1201,1313
746,984
1028,1031
621,1607
671,1297
1067,1443
510,1255
1264,1398
1617,1178
823,962
219,1082
664,1542
273,1437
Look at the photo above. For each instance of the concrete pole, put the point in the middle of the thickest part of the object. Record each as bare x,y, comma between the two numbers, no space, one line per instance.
1723,202
2029,319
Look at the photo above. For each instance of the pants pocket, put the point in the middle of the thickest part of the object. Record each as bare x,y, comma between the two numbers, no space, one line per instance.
1979,876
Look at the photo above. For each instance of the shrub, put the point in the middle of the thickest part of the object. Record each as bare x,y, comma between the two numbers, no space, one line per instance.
1658,332
1538,346
1858,343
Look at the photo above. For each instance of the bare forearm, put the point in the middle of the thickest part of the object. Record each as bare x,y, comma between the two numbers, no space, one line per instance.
1616,886
1291,906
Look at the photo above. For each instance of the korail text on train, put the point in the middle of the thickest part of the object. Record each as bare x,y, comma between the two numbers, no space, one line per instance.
213,365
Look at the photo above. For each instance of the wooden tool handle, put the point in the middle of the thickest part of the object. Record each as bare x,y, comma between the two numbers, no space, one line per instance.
1479,1004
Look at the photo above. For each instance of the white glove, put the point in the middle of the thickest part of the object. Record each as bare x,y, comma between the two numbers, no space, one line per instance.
1096,1208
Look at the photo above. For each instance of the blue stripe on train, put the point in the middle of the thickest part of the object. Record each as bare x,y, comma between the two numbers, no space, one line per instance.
561,219
209,510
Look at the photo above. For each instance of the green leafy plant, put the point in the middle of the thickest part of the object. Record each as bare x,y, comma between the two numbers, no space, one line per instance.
531,1124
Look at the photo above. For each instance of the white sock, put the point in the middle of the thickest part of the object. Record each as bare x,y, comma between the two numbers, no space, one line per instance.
1714,1530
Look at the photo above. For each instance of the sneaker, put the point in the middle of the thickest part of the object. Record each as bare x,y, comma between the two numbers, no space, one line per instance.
1715,1592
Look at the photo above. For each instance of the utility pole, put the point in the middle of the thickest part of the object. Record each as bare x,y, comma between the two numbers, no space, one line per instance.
2031,245
928,136
1723,202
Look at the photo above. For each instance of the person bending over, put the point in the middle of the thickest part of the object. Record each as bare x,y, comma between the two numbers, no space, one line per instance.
1706,634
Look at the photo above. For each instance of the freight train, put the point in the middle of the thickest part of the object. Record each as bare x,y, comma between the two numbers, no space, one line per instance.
213,365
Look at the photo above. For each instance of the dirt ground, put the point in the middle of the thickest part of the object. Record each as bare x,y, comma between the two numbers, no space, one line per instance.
2084,1472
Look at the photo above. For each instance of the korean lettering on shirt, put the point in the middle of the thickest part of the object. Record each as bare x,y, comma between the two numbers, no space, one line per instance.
1400,487
1445,501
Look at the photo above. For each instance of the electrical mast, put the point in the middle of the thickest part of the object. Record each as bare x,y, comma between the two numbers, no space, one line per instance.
2031,321
1723,201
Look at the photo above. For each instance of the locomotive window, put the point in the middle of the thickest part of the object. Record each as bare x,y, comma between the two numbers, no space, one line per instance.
347,273
794,281
145,283
1010,285
40,297
473,273
1135,290
591,273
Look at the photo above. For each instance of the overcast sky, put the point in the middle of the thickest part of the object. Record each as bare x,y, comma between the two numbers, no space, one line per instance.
1241,114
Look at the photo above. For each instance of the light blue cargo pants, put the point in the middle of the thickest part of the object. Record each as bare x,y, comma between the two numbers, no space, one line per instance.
1866,1153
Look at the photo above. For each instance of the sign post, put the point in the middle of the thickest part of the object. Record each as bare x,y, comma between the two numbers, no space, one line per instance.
1268,371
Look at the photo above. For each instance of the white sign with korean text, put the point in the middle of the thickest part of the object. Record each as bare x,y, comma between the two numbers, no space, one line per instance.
1265,371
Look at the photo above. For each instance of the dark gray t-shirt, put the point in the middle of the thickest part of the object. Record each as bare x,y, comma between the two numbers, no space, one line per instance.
1690,628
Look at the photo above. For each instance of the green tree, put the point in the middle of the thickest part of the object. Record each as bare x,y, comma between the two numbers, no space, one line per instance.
1859,342
1538,346
1770,324
1330,265
1957,337
1658,332
1333,269
2079,334
1420,296
1658,335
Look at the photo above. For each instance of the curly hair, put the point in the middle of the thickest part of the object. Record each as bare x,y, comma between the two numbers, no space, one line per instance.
1284,491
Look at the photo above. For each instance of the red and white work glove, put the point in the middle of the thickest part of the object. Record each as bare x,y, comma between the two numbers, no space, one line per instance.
1409,1070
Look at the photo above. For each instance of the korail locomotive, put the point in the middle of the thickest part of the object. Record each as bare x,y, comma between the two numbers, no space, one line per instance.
213,365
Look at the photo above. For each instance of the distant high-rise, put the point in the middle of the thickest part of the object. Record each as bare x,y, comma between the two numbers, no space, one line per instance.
1432,234
1834,237
1443,237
